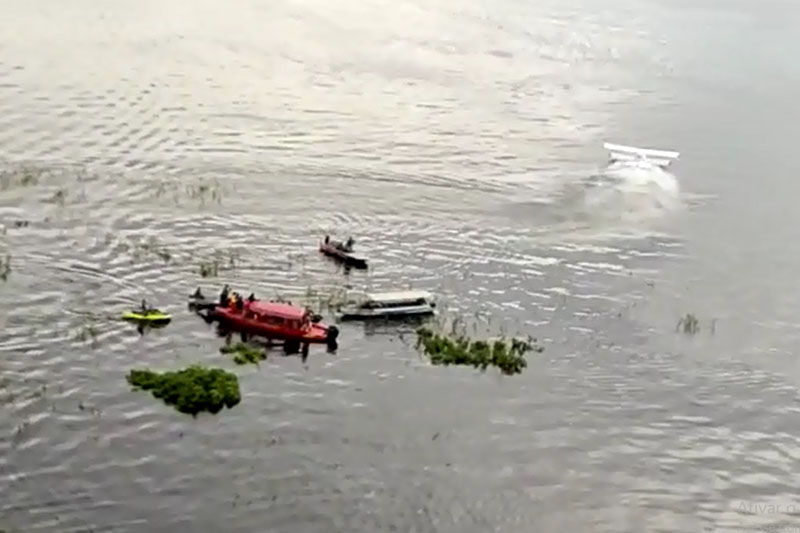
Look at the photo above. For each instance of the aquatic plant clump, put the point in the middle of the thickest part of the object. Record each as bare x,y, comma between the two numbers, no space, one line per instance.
689,323
460,350
244,353
191,390
209,269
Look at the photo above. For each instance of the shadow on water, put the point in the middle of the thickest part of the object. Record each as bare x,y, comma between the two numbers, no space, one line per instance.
144,329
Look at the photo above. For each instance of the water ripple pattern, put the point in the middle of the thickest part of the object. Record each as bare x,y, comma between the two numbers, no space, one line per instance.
145,142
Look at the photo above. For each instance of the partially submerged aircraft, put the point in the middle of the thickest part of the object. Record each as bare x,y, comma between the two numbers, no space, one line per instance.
630,156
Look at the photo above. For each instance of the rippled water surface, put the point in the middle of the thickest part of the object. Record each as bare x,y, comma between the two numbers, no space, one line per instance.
460,143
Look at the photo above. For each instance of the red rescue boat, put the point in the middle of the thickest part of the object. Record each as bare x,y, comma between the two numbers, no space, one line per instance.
271,320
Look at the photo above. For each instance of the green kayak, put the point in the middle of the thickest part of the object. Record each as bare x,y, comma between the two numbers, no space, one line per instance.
151,316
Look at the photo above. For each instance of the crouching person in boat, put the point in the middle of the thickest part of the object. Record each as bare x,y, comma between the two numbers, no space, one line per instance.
235,302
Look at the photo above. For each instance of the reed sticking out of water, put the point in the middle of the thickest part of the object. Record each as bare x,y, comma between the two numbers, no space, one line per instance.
59,197
151,247
222,259
325,301
191,390
203,192
244,353
23,177
689,323
460,350
140,249
5,268
88,332
209,269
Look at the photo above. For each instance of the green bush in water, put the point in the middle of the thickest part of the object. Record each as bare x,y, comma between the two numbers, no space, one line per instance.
191,390
447,350
244,353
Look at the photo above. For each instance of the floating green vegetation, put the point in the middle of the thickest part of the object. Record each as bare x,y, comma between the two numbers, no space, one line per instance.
191,390
689,324
460,350
5,267
243,353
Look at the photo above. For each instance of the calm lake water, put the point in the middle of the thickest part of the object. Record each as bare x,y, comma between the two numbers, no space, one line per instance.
460,143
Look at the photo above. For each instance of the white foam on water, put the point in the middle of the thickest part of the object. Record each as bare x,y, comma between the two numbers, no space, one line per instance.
631,191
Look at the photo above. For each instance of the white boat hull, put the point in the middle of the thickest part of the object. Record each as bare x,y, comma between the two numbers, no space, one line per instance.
392,312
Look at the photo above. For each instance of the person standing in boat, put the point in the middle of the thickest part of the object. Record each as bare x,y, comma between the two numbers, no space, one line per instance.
223,296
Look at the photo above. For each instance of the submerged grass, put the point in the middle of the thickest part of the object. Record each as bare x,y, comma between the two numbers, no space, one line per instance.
59,197
5,267
150,247
88,332
444,349
205,192
209,269
191,390
208,265
689,324
244,353
222,259
325,301
22,177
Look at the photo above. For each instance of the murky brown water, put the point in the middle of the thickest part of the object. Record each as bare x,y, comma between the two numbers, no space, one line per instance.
460,144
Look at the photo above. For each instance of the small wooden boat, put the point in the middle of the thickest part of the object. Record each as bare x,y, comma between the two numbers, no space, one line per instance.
390,305
342,251
271,320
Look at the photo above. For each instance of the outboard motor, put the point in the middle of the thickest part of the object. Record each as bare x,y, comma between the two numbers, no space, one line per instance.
330,340
196,299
